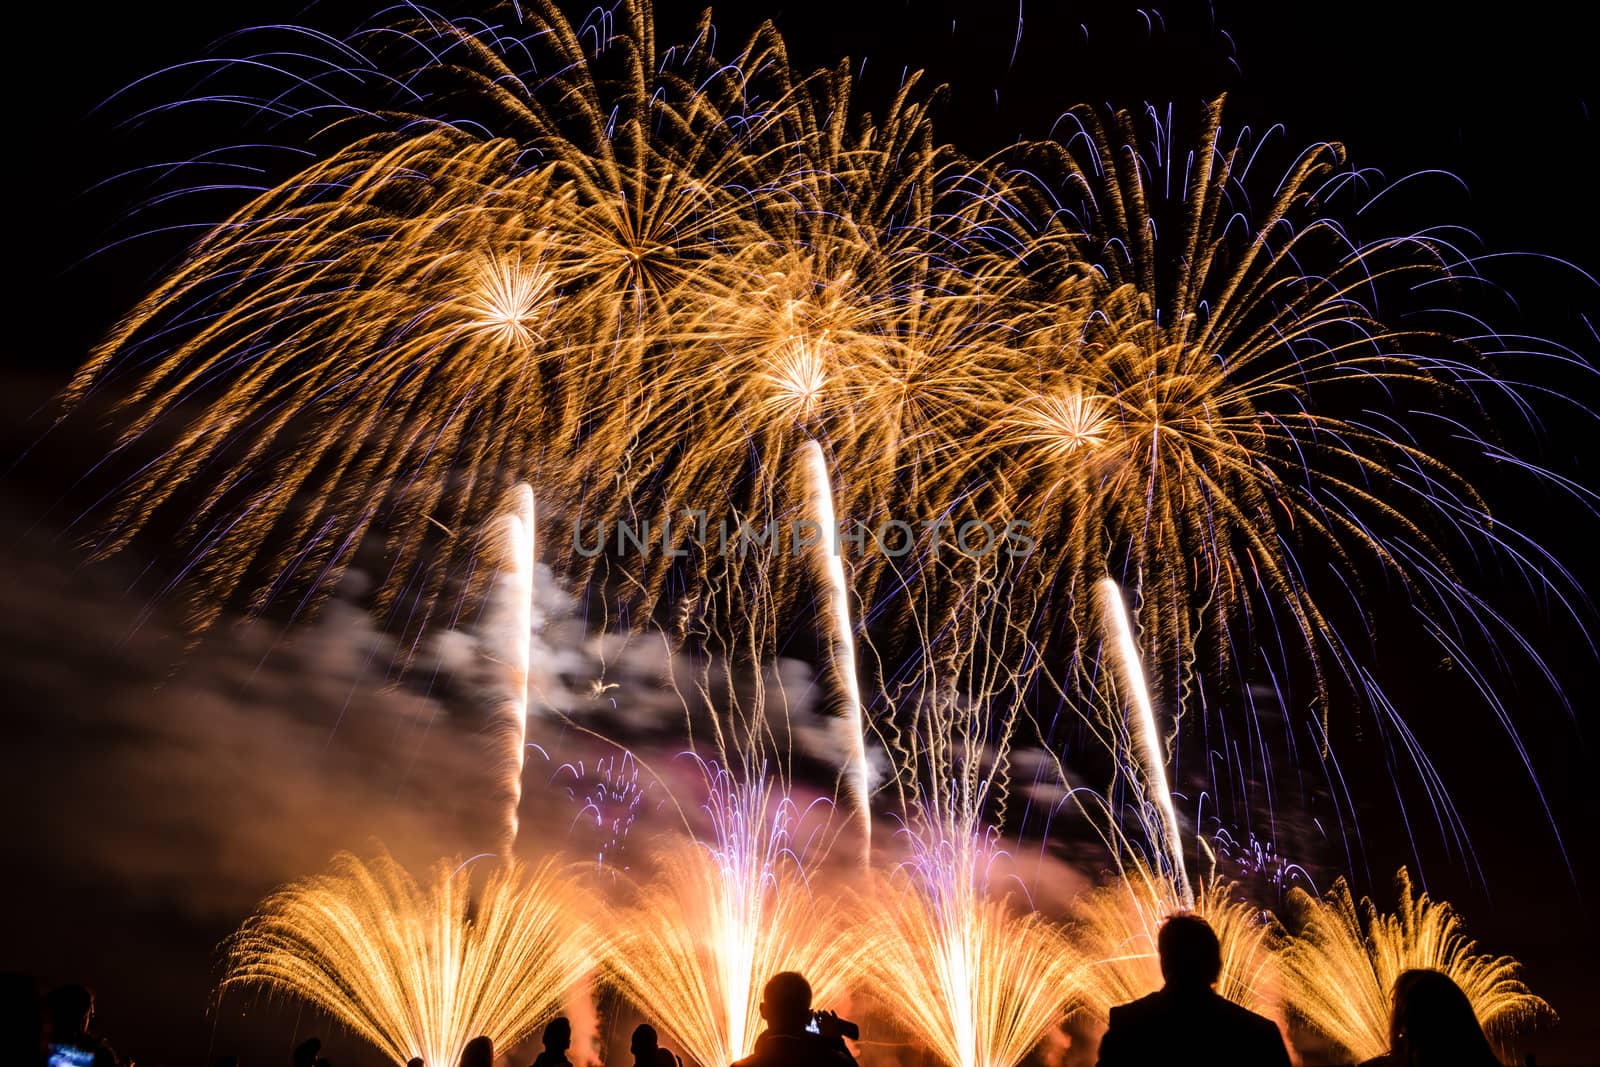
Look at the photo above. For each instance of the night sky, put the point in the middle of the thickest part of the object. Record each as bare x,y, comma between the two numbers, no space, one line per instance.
155,793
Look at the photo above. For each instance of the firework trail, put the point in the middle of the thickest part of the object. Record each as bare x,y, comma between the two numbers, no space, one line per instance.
421,969
1340,967
721,917
1147,739
509,624
841,636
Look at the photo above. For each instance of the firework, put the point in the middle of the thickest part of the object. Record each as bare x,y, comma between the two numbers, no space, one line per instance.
694,273
1340,967
643,279
721,917
1208,411
421,969
959,957
975,979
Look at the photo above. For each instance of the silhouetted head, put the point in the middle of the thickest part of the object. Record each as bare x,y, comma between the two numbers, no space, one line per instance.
644,1043
1191,955
478,1053
415,1061
786,1002
71,1010
305,1053
1433,1024
558,1034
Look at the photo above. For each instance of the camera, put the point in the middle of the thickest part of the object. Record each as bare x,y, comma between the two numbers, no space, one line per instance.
845,1027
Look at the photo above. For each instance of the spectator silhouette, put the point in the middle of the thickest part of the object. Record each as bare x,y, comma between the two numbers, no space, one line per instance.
1186,1022
647,1050
478,1053
305,1053
644,1045
70,1009
1432,1024
786,1006
416,1061
557,1039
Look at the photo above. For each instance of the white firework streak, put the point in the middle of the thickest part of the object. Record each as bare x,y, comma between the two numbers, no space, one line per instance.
1146,738
830,571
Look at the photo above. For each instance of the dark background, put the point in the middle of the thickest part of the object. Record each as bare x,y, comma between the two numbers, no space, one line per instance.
1500,97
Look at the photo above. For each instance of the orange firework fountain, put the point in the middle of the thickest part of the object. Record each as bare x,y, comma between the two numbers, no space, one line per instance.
421,969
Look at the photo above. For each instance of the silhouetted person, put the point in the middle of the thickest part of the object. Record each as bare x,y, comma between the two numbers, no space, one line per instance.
647,1051
305,1053
415,1061
644,1045
786,1006
70,1010
478,1053
1186,1022
557,1039
1432,1025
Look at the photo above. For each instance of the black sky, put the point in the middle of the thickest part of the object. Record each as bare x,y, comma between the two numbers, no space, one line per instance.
1500,97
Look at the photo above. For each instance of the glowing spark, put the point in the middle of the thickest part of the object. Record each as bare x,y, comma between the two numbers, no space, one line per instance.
611,796
419,970
1340,968
1146,736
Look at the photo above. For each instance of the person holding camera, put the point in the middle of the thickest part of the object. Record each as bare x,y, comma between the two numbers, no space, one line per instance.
795,1035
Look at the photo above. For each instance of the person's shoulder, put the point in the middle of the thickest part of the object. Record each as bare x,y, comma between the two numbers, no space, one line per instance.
1242,1014
1260,1028
792,1051
1134,1010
